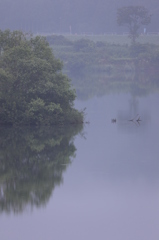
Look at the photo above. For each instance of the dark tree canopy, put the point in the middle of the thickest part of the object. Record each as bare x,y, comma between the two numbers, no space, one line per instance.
33,90
133,17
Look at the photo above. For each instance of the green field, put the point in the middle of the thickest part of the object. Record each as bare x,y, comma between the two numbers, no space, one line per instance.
116,39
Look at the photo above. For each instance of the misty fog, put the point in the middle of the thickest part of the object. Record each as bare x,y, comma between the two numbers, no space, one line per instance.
58,16
79,120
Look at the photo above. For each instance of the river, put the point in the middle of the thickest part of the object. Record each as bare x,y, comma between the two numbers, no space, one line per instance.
102,183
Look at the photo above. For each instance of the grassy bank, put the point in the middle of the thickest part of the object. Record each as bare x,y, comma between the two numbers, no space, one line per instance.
114,38
94,52
97,66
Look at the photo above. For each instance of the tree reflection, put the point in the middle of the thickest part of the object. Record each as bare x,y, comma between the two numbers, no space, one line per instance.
32,162
134,77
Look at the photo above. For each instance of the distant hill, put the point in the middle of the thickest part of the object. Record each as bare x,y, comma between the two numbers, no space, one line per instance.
61,16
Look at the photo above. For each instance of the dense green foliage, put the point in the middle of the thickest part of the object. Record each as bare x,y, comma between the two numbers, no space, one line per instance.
133,17
33,90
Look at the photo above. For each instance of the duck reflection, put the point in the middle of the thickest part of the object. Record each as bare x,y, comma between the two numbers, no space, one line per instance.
32,162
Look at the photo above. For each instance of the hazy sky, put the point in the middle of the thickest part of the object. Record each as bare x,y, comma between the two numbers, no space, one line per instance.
96,16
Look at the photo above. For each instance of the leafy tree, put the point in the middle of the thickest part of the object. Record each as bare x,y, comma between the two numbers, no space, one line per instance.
133,17
33,90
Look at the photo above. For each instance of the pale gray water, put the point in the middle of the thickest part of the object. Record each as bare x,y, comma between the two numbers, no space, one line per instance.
111,189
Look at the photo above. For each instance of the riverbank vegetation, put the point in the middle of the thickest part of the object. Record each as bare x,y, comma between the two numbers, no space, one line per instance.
114,38
33,89
99,67
85,54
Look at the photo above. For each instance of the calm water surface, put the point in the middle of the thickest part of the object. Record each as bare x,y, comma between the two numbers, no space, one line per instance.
109,190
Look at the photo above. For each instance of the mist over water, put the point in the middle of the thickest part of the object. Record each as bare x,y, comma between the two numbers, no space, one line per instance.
99,180
102,183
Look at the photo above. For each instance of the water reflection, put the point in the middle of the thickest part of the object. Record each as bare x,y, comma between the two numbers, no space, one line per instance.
134,115
32,162
110,190
134,77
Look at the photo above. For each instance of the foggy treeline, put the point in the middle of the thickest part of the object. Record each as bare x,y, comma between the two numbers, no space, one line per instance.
69,16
